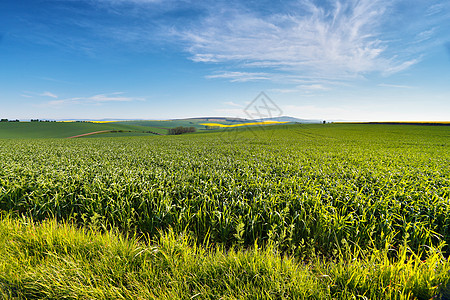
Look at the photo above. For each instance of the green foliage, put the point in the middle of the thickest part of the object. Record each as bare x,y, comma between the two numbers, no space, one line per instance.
365,205
57,261
180,130
305,188
36,129
196,123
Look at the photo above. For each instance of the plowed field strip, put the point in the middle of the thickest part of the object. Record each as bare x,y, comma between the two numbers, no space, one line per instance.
90,133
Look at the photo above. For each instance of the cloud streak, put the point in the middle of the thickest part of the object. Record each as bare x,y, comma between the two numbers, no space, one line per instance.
44,94
398,86
231,103
48,94
96,99
341,40
313,87
241,76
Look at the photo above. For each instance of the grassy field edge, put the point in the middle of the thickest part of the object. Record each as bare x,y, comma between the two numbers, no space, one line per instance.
51,260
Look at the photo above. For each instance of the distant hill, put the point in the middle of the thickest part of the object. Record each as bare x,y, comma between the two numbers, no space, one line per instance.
195,120
106,127
244,120
203,119
290,119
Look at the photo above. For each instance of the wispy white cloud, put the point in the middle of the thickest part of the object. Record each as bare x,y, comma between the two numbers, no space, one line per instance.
435,9
241,76
314,87
308,87
231,103
398,86
48,94
392,69
342,40
129,1
53,80
425,35
96,99
43,94
334,39
283,91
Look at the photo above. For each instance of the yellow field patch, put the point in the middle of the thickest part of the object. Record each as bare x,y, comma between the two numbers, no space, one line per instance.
101,121
242,124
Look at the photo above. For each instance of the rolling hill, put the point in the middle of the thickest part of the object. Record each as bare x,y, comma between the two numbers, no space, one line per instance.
106,128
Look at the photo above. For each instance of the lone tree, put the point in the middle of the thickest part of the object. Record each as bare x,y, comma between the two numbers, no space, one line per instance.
181,130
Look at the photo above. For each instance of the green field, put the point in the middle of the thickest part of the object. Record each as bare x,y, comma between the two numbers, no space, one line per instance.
20,130
23,130
281,212
183,122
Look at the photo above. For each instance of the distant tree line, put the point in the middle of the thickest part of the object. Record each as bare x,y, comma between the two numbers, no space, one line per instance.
32,120
37,120
181,130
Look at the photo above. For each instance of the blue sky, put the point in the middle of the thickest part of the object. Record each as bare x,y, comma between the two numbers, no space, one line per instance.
158,59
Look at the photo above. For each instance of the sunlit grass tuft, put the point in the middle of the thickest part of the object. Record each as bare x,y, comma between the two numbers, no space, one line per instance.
57,261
